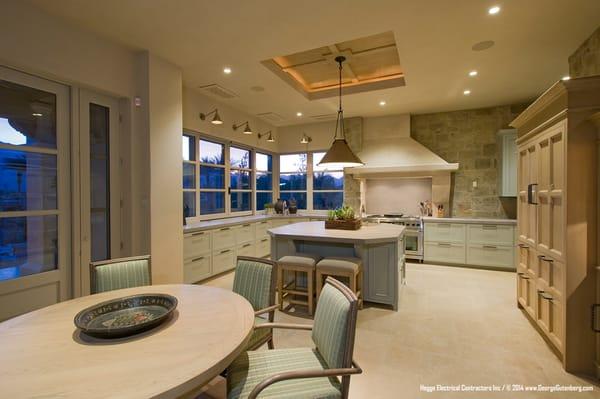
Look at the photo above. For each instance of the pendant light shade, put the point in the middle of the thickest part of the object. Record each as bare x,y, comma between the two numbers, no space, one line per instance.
340,155
247,129
216,120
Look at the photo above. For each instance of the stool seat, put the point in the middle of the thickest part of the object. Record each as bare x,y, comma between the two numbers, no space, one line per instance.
340,264
304,261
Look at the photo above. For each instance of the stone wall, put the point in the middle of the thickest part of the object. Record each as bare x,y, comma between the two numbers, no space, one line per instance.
585,61
469,138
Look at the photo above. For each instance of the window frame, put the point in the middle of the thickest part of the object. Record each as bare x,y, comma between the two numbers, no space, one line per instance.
271,172
251,170
313,191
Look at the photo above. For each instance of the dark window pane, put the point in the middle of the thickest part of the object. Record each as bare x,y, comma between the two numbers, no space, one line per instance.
189,204
28,245
188,148
239,158
299,197
330,200
211,152
292,163
212,202
27,181
212,177
264,181
262,199
28,116
240,180
264,162
288,182
240,201
189,175
328,181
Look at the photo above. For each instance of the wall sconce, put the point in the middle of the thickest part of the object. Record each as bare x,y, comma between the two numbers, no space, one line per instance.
305,139
270,138
216,120
247,129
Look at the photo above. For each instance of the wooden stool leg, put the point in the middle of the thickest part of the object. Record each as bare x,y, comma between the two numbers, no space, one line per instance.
309,282
352,281
280,275
319,282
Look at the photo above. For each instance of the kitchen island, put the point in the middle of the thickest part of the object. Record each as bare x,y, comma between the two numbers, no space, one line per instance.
380,247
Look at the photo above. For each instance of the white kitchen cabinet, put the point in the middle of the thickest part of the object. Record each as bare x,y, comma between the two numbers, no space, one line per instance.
507,163
223,238
263,247
492,234
261,229
244,233
247,249
197,269
491,255
445,252
223,260
445,232
196,244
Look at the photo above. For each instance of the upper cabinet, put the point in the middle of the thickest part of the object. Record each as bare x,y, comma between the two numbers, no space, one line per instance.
507,163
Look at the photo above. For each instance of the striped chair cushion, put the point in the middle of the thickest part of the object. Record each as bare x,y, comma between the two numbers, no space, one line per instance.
250,368
258,335
114,276
330,327
252,280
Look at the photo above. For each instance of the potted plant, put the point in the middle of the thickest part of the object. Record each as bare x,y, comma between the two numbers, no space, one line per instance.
269,208
343,218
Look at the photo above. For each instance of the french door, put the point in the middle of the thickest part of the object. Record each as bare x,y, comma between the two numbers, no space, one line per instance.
35,197
99,227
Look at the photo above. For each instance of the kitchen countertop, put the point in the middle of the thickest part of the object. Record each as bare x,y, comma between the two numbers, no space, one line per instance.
470,220
225,222
316,231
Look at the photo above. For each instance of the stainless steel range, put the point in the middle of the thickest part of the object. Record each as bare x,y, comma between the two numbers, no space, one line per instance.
413,234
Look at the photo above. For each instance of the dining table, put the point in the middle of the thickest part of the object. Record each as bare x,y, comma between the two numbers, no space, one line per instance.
44,355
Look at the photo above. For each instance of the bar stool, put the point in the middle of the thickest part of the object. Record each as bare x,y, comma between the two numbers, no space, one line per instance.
348,267
303,263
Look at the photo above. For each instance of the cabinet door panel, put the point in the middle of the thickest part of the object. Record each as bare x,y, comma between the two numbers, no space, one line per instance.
549,316
447,232
223,238
551,275
196,269
223,260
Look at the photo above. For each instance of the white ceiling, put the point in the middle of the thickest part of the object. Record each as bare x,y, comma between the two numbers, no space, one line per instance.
533,41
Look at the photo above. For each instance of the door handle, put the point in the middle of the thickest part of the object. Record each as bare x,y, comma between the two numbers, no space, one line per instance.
545,296
532,193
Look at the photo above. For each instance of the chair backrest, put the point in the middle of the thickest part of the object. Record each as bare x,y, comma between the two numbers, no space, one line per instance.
254,279
335,324
114,274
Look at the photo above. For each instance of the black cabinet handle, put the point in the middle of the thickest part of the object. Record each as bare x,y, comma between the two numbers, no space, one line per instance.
532,194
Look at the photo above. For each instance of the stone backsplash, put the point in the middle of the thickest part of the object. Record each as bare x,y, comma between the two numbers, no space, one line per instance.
469,138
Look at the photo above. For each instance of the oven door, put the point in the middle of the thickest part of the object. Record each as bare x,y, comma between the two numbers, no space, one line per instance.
412,243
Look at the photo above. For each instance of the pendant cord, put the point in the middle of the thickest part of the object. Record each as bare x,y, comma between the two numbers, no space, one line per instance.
340,114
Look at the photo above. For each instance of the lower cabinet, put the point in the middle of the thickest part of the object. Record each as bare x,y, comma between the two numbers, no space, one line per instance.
247,249
549,316
263,247
490,255
197,269
223,260
449,252
381,276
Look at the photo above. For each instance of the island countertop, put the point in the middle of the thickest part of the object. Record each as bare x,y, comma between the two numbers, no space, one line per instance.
316,231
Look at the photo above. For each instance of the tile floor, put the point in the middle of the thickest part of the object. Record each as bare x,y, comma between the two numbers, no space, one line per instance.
454,326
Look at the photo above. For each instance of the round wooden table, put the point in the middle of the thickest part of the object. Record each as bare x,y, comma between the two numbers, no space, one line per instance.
43,354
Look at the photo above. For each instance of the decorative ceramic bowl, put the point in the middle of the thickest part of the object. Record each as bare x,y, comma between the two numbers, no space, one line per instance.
126,316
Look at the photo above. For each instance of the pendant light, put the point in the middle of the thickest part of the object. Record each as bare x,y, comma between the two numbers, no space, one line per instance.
269,135
247,129
340,155
216,120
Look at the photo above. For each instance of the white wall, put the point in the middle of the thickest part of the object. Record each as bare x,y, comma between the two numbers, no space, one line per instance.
401,195
321,134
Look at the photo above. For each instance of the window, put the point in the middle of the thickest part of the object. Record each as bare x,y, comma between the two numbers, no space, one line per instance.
211,157
240,179
292,178
189,176
264,180
328,185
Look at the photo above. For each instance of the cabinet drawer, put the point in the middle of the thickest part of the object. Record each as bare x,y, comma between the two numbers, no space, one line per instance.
223,260
196,244
196,269
491,255
263,247
526,291
527,258
247,249
244,233
446,252
551,274
261,229
549,317
445,232
223,238
494,234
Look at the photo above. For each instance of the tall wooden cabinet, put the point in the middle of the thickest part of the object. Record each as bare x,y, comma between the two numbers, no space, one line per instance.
557,215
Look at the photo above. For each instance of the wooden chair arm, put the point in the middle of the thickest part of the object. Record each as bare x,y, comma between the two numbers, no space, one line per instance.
266,310
285,326
292,375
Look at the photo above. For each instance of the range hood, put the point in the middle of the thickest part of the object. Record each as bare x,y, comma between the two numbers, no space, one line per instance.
388,150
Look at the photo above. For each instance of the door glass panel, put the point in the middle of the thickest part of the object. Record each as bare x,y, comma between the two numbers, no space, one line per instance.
189,175
189,204
27,116
240,201
27,181
28,245
212,202
99,182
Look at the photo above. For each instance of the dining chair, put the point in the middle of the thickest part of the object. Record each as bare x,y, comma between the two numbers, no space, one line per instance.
254,279
114,274
304,372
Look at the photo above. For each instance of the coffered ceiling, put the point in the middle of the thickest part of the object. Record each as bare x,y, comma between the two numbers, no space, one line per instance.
531,43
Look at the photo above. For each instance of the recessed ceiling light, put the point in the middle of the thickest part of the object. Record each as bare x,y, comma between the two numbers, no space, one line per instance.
467,92
382,103
473,73
36,114
566,77
227,70
298,113
494,10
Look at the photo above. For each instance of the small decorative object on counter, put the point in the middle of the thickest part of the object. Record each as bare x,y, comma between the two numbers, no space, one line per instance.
279,206
440,211
269,208
426,208
342,218
293,208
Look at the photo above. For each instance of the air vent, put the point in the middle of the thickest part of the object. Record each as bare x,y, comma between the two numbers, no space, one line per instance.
271,117
218,91
324,117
